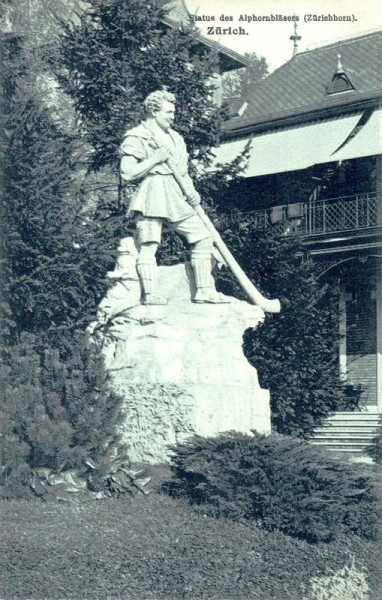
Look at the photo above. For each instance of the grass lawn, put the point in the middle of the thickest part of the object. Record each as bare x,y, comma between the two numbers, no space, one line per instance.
156,547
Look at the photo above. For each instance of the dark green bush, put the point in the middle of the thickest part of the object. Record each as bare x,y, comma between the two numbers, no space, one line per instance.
55,414
295,352
375,449
278,482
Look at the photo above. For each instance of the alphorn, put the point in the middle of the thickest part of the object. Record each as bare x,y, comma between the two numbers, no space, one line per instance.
268,305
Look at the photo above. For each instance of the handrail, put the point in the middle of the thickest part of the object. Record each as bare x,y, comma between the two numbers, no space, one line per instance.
324,216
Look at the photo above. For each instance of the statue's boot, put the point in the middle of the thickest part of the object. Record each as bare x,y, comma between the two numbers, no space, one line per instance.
205,285
148,276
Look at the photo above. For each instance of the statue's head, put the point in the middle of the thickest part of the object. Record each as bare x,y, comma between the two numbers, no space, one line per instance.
160,106
154,101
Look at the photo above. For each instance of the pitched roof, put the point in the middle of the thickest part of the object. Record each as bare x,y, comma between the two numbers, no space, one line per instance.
299,86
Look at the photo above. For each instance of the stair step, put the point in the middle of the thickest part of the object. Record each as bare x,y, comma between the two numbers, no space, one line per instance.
351,424
359,416
348,431
350,427
347,425
353,450
347,442
334,431
340,446
345,436
362,421
357,412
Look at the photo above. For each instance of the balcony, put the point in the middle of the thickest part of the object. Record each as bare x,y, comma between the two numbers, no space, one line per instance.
324,217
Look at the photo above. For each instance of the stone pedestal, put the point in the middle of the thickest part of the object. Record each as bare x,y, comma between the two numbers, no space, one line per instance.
180,367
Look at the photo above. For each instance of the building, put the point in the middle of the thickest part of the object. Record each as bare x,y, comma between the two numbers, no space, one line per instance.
315,168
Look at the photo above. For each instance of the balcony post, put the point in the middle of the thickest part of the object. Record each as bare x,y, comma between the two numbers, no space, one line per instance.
342,331
379,334
379,284
378,187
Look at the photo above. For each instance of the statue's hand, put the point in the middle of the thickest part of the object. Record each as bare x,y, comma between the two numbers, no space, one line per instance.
194,198
162,154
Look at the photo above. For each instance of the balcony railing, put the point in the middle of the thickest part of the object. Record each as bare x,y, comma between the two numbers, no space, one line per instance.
334,215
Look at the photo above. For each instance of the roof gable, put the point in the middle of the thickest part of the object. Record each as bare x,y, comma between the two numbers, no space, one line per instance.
300,86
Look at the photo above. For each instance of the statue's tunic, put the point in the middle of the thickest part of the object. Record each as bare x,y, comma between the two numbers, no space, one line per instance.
158,194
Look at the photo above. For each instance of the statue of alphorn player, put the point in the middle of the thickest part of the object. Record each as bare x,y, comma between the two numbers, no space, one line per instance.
145,151
155,155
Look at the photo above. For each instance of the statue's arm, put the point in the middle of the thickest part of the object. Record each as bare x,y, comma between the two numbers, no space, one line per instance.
188,188
179,166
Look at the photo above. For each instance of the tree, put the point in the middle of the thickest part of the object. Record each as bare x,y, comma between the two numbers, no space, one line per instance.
118,54
57,410
294,352
238,83
55,253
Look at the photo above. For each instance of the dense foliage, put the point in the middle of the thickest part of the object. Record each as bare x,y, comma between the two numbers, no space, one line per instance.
54,414
120,52
375,448
56,247
56,409
294,352
278,482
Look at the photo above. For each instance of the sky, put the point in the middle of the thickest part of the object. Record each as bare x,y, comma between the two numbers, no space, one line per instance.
271,38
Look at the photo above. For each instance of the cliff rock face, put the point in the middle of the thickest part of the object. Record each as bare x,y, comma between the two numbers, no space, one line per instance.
180,367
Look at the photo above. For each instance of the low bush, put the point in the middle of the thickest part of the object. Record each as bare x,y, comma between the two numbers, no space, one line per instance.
375,449
278,482
57,414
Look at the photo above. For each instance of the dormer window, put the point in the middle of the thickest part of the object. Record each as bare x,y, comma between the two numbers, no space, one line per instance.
340,81
236,107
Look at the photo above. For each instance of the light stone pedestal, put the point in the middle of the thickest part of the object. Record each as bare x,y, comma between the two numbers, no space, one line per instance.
180,367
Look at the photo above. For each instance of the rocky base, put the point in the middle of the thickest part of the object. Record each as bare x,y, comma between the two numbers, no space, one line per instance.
180,367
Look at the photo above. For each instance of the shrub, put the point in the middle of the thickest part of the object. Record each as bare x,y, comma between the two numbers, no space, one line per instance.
375,449
276,481
295,352
55,414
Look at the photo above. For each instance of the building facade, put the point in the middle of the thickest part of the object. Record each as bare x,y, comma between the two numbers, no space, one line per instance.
315,169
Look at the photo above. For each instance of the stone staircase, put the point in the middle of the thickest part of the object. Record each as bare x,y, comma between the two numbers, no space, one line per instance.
348,431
